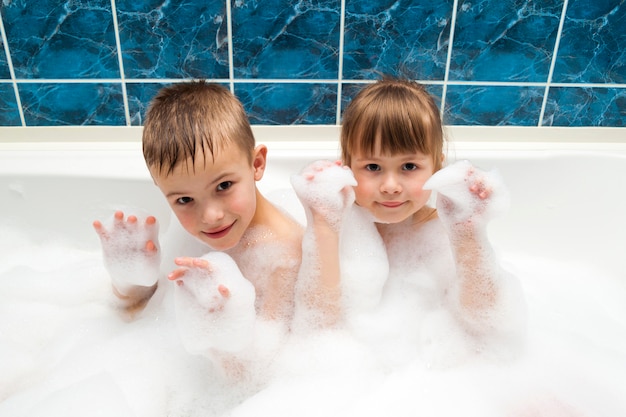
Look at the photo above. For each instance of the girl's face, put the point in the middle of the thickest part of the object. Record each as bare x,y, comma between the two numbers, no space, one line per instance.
390,186
215,200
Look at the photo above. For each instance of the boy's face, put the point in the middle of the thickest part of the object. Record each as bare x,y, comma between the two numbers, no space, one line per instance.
391,186
215,200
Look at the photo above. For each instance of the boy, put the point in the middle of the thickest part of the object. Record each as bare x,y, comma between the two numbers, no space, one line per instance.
200,150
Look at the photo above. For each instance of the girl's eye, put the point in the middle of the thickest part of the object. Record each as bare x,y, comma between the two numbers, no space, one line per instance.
184,200
409,166
372,167
224,185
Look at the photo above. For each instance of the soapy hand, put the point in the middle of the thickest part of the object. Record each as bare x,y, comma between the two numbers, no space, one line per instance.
198,272
131,250
325,189
214,304
468,195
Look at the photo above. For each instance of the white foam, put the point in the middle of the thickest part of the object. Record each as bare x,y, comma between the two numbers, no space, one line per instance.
209,318
453,182
125,255
64,349
364,263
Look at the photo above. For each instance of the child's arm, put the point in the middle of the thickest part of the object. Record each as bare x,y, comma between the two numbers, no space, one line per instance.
467,200
325,190
132,257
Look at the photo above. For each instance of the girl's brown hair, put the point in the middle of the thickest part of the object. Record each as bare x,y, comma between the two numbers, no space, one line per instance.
400,114
188,117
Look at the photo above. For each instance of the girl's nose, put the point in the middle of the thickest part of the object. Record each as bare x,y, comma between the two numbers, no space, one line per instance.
390,184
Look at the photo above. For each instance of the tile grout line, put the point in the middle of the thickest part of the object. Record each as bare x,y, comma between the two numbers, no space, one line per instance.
118,45
557,42
229,38
305,81
13,81
342,21
446,76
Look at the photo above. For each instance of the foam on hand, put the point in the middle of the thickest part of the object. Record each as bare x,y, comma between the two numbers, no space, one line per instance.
325,187
455,198
126,257
215,307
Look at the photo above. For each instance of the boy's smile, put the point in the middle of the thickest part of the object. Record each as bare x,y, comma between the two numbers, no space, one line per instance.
219,233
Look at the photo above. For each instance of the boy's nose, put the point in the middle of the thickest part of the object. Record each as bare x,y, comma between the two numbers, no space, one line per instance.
212,214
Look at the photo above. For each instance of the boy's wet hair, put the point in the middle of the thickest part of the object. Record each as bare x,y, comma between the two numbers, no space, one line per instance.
190,117
401,113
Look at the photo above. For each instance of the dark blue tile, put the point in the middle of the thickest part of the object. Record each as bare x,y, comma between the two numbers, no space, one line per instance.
286,39
350,90
493,105
288,103
67,104
577,106
178,39
407,38
4,65
9,113
61,39
593,43
504,40
139,97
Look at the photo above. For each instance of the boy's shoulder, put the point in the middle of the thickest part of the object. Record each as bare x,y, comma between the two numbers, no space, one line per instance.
276,223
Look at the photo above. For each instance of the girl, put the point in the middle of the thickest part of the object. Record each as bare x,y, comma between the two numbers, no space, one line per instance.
387,259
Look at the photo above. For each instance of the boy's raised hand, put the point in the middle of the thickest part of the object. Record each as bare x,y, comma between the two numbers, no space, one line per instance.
215,304
198,272
131,250
325,189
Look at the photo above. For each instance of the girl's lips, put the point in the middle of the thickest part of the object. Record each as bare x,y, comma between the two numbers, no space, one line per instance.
391,204
219,233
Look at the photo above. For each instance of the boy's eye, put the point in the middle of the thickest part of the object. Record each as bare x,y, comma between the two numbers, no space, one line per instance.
224,185
184,200
409,166
372,167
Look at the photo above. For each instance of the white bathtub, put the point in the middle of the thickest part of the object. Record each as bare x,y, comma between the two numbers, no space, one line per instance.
568,200
565,235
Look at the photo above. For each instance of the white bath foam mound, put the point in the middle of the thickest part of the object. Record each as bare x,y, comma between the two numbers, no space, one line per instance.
573,366
364,263
98,395
207,317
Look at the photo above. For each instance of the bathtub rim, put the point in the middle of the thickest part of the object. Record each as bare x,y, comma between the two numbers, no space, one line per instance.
81,150
22,162
321,135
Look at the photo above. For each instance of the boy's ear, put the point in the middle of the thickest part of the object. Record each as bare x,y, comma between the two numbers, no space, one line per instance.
259,159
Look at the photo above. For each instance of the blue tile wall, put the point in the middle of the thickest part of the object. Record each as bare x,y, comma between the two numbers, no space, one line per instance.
487,62
277,39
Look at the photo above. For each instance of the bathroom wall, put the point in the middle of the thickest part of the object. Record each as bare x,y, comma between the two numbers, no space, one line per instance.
489,62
